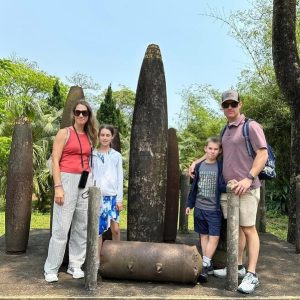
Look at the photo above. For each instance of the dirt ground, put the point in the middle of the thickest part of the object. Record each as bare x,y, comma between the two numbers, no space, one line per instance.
21,276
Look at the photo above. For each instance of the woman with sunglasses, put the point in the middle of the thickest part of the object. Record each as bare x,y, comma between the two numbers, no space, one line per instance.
70,167
108,175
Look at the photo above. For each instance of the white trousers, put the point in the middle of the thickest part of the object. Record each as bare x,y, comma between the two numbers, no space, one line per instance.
73,211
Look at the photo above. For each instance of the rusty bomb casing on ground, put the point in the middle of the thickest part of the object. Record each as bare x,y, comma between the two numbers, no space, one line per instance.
150,261
148,153
19,189
173,181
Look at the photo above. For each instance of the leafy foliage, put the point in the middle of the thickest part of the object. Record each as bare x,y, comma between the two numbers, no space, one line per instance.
198,121
24,91
56,100
108,113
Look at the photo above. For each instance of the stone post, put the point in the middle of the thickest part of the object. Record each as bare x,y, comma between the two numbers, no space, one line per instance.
92,238
232,239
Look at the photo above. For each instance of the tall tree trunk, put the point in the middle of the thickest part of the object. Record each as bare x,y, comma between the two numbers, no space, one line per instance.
287,70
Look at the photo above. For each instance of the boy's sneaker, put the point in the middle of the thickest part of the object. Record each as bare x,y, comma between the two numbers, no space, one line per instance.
249,283
222,273
50,277
75,272
205,272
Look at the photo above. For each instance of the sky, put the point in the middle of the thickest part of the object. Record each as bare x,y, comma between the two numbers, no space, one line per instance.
107,40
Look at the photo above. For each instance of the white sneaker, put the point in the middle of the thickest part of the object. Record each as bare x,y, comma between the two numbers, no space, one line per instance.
50,277
249,283
222,273
75,272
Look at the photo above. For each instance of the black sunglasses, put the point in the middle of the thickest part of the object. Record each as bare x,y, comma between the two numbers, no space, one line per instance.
85,113
232,104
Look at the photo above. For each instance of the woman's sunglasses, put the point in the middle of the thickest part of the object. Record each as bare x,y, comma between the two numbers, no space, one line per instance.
232,104
85,113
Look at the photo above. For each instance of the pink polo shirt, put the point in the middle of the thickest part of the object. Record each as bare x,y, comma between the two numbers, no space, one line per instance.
237,163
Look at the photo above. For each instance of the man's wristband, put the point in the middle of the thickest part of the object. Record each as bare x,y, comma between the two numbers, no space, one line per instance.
250,176
57,185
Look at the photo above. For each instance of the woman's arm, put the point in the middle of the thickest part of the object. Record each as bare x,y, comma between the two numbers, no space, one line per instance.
58,146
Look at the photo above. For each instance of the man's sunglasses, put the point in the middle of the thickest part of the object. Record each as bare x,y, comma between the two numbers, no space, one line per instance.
232,104
85,113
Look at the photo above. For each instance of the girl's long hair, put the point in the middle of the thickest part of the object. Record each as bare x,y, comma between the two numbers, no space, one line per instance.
90,126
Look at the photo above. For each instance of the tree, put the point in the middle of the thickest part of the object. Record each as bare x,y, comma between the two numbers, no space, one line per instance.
287,69
125,99
198,121
108,113
56,100
24,91
262,98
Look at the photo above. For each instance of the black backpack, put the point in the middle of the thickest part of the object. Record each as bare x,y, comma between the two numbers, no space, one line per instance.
268,171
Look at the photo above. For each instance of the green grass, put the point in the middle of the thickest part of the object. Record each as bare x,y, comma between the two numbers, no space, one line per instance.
276,224
38,221
42,221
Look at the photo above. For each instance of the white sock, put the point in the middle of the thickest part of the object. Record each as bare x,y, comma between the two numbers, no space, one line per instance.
206,261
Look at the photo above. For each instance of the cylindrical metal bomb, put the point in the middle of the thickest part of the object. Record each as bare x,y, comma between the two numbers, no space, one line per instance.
92,239
148,153
150,261
173,178
19,189
116,142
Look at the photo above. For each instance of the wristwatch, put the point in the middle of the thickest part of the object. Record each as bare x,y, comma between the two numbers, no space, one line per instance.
250,176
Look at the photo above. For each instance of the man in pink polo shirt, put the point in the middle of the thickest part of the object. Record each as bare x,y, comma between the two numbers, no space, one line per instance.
242,170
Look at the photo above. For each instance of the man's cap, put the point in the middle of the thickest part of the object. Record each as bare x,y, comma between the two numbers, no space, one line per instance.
230,95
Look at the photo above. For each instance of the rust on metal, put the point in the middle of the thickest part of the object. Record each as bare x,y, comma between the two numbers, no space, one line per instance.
173,182
19,189
148,153
150,261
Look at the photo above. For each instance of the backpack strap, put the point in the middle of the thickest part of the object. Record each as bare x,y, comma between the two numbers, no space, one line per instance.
222,132
247,138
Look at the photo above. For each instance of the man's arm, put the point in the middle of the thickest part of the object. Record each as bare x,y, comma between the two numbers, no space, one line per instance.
192,166
259,162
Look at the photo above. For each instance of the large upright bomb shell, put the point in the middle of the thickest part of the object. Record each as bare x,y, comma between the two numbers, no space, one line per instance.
75,94
148,153
172,198
19,189
116,142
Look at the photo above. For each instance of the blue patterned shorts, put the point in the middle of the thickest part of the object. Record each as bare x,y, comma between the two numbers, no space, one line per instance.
108,212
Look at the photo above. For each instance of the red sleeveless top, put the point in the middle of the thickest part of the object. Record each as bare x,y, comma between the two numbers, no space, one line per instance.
70,161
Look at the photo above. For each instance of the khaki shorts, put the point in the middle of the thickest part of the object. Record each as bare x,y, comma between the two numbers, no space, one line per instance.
248,207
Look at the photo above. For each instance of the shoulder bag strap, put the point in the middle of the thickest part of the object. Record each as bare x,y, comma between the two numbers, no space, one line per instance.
81,156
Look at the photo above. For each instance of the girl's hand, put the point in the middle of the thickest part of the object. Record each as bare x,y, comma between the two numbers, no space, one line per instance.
119,206
59,195
187,210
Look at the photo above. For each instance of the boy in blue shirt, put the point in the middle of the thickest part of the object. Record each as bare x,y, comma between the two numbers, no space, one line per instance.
207,186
